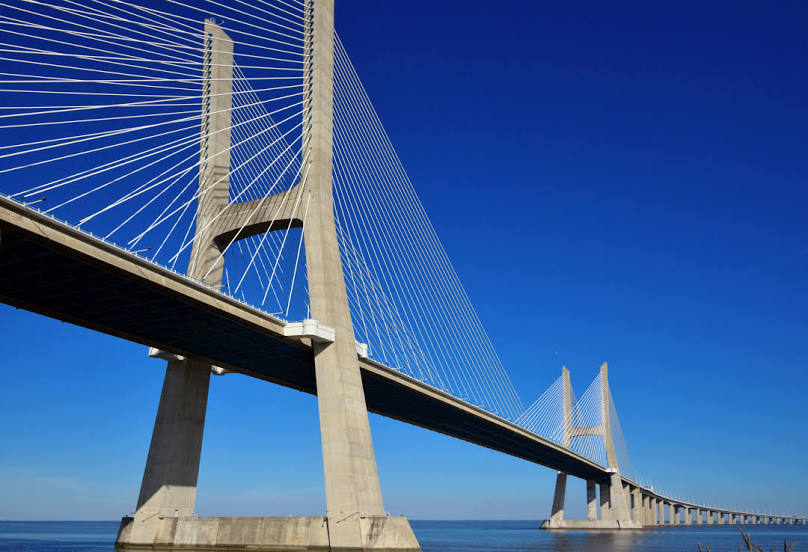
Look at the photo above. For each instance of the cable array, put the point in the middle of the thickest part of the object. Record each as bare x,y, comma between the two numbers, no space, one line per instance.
619,441
406,299
100,127
546,414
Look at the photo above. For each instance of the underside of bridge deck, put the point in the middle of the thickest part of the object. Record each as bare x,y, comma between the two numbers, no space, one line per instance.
61,273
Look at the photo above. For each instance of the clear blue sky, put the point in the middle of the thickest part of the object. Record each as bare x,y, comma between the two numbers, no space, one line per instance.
648,162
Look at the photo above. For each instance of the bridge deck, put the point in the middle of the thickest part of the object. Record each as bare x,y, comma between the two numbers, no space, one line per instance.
53,269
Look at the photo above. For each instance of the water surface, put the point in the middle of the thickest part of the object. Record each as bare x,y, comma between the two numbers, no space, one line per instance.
444,536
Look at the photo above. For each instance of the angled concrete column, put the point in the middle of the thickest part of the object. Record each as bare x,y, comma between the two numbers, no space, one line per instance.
355,510
720,519
558,498
710,516
169,480
697,516
660,507
619,501
688,521
591,501
678,514
168,488
353,493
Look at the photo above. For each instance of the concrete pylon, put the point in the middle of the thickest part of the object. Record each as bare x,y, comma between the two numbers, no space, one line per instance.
168,489
355,511
615,507
560,493
618,499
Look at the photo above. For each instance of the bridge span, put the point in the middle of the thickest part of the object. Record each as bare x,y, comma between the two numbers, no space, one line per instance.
283,181
54,269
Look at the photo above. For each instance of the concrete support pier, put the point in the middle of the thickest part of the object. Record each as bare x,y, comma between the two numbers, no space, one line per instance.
559,497
591,501
169,480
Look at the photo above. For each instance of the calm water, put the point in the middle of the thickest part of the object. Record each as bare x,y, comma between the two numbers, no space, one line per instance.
440,536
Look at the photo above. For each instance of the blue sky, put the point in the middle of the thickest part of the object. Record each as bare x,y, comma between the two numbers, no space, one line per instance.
647,165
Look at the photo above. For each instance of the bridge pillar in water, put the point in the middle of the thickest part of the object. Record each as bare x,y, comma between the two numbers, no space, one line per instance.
591,501
168,488
559,496
697,518
647,503
355,512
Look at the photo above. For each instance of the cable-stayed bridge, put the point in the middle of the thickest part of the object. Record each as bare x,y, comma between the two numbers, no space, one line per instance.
210,179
